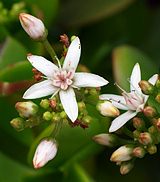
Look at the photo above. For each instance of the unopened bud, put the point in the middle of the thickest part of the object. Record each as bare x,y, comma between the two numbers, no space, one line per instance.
56,117
123,153
146,87
138,123
139,152
157,123
136,134
145,138
87,119
126,167
149,111
33,26
53,103
47,116
45,103
105,139
152,149
26,109
46,151
157,98
63,115
106,108
158,82
81,106
18,124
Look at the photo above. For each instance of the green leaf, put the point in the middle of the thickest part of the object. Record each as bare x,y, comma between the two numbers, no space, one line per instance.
11,53
124,59
47,9
77,13
16,72
13,171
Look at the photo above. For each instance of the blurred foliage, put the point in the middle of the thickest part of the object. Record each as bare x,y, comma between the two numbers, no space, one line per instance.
115,34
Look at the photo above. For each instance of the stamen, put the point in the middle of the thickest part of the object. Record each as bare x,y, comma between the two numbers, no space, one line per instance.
59,64
120,88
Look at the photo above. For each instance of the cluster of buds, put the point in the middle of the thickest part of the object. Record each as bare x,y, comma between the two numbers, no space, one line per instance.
143,136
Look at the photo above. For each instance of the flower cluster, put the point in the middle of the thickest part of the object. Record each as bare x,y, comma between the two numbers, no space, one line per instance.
69,93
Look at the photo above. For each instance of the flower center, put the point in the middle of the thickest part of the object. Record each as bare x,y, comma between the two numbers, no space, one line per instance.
63,79
133,101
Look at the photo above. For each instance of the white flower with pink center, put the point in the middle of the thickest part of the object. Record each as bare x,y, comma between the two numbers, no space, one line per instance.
63,79
134,101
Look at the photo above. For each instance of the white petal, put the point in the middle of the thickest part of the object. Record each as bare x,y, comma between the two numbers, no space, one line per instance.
39,90
42,65
73,55
88,80
117,100
68,100
153,79
135,78
121,120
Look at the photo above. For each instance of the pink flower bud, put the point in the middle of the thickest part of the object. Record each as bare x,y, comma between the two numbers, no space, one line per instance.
33,26
46,151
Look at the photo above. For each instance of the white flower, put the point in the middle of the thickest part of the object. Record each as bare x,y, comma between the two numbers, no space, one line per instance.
134,101
33,26
46,151
63,80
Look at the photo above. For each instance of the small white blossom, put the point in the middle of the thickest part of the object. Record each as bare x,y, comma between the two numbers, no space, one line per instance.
33,26
134,101
46,151
63,79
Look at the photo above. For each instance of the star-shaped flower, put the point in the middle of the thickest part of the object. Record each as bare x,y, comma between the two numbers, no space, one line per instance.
134,101
63,79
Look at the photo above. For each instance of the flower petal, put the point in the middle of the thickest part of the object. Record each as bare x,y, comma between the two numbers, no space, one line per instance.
39,90
135,78
43,65
117,100
73,55
88,80
121,120
68,100
153,79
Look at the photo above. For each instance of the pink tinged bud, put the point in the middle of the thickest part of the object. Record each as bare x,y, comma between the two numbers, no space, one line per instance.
26,109
107,109
46,151
139,152
33,26
123,153
149,111
105,139
138,123
145,138
126,167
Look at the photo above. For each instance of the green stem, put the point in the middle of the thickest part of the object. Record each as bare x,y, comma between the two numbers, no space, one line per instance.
50,50
127,132
57,129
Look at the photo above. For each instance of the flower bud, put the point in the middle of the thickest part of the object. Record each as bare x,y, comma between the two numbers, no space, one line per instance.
157,98
46,151
87,119
157,124
18,124
123,153
106,108
146,87
45,103
105,139
139,152
126,167
81,106
145,138
26,109
33,26
152,149
47,116
149,111
138,123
